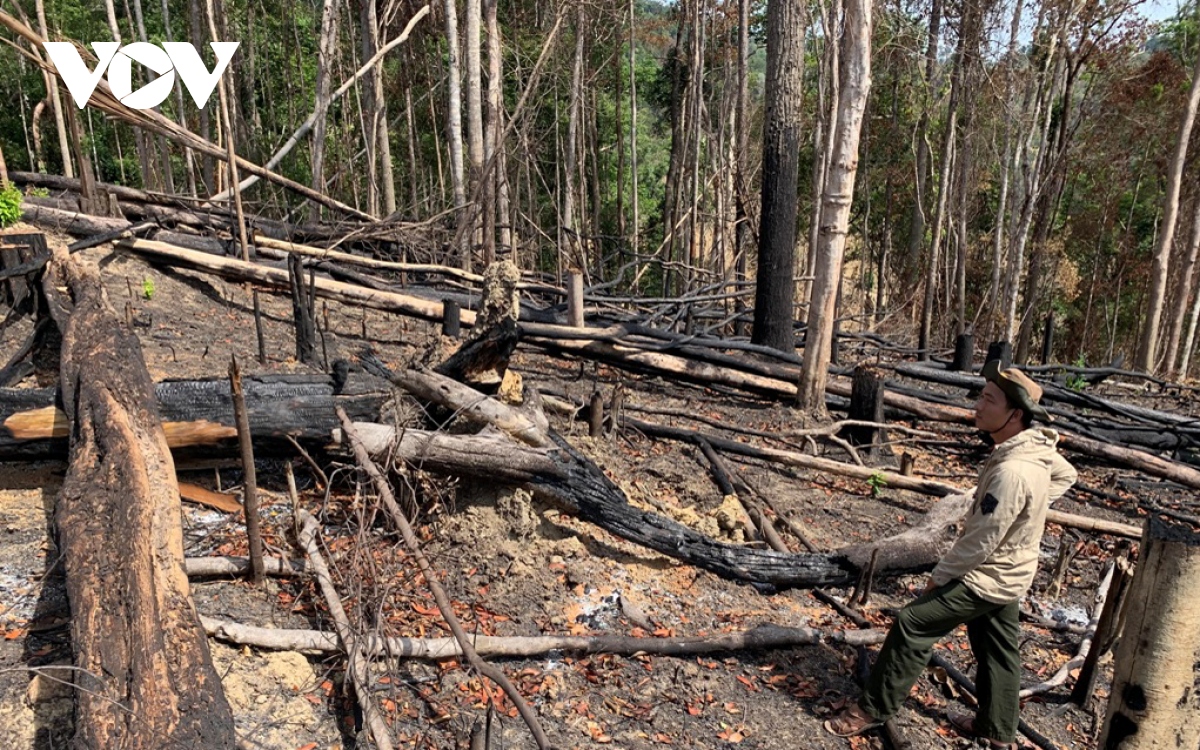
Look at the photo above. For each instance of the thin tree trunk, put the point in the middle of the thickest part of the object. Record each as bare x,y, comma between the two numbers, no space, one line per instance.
948,140
60,122
743,235
1183,289
1010,60
497,209
635,226
836,203
570,241
916,233
475,148
327,48
1147,356
774,309
189,162
454,129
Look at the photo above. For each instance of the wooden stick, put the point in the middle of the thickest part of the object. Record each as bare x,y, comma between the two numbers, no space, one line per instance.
239,566
359,669
436,649
250,484
439,594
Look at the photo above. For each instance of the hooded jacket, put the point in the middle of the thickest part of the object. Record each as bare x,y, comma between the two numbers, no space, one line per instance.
996,555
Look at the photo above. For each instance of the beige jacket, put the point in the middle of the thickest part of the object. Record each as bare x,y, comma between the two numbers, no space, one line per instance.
996,555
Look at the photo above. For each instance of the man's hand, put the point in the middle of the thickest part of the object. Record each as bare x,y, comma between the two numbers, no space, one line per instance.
929,586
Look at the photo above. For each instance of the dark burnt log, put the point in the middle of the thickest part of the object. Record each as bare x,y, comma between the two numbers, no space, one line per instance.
199,413
570,479
145,676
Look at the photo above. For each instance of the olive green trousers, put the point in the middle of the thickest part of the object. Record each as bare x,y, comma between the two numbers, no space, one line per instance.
994,632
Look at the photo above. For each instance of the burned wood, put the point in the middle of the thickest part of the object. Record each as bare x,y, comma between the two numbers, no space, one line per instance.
146,678
199,413
566,477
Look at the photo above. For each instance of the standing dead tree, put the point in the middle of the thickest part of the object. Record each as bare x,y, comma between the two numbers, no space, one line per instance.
145,679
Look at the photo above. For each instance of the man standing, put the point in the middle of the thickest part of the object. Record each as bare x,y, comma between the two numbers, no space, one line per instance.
981,579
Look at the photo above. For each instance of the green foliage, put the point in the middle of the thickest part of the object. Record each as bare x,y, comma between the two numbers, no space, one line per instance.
37,192
10,206
148,287
1075,381
877,483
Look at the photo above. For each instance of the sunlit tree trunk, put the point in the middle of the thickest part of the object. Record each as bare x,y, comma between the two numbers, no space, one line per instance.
836,202
1183,288
327,47
60,122
570,242
473,29
454,129
497,209
774,294
1147,355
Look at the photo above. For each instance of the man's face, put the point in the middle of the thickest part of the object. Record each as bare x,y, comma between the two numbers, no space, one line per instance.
992,411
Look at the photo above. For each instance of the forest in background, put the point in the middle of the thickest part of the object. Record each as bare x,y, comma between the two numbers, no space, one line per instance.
1017,161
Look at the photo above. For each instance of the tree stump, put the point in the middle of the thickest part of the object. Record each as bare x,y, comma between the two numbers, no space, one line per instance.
866,404
1001,350
575,300
1154,701
17,252
964,351
145,676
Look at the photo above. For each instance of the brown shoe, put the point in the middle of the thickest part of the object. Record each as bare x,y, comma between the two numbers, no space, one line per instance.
964,724
851,721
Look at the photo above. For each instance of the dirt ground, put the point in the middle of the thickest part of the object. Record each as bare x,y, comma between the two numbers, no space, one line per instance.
517,567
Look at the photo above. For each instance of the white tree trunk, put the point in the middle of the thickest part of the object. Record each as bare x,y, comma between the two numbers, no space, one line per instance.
1154,702
474,101
1148,350
454,128
1183,289
835,202
326,48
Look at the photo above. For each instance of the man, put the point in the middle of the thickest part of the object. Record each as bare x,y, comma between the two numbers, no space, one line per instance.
981,579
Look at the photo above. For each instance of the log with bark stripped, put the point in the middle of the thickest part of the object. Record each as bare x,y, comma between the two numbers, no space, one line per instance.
144,675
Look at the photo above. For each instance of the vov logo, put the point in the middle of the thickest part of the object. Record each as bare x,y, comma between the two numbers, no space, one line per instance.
166,61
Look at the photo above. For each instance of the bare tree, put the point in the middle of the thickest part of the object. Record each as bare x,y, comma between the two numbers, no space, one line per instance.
835,203
327,46
454,127
1147,355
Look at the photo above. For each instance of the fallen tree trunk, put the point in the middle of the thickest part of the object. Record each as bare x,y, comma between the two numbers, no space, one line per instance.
436,649
565,477
84,225
199,413
277,278
145,677
638,360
